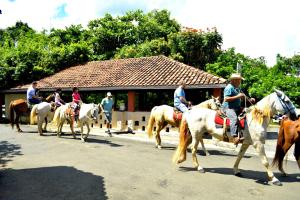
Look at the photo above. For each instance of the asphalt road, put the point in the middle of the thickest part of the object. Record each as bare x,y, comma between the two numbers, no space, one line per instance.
46,167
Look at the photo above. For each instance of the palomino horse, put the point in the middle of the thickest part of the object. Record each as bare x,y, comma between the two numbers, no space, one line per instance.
20,107
201,120
163,115
88,112
42,112
289,134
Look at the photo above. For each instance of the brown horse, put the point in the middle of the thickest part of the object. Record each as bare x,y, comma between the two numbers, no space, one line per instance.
20,107
289,134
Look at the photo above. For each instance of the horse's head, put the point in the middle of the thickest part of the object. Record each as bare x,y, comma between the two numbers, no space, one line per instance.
215,103
283,104
95,113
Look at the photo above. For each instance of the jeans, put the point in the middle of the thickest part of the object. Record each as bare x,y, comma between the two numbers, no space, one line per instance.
232,115
182,108
34,101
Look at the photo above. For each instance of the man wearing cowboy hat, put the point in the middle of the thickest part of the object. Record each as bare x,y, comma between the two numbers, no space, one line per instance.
106,106
232,104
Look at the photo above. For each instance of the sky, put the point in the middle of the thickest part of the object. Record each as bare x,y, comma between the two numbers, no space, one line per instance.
253,27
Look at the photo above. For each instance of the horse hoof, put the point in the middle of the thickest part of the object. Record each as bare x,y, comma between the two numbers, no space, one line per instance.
275,181
200,169
207,154
238,174
20,131
159,147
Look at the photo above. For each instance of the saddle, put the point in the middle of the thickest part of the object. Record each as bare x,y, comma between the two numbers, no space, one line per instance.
177,115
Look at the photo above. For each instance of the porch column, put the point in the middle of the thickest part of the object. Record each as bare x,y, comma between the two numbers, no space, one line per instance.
131,101
1,103
217,92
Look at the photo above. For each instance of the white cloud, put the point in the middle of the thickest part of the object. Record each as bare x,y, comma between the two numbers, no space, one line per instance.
254,27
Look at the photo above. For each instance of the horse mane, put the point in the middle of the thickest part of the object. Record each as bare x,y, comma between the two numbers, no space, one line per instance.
258,114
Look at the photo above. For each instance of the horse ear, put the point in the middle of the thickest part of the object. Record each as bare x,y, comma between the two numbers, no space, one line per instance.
278,92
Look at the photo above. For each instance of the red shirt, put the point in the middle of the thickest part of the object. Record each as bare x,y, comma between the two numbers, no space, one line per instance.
76,97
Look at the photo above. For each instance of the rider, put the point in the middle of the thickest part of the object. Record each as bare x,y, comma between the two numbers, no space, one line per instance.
32,94
180,101
75,102
57,99
232,104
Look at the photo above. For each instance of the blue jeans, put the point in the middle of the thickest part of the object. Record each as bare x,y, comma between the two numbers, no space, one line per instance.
108,116
34,101
182,108
232,115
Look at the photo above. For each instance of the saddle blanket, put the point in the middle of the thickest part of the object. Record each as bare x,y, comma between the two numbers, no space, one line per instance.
220,121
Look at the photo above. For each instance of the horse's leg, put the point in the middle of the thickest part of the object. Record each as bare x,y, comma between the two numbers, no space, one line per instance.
88,132
17,122
203,147
45,126
261,151
81,130
194,155
297,152
240,155
157,136
40,124
72,128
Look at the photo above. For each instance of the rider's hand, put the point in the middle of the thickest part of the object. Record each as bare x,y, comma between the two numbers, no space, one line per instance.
241,95
252,100
189,103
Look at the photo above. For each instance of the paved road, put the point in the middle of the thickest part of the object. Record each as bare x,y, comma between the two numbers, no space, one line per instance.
37,168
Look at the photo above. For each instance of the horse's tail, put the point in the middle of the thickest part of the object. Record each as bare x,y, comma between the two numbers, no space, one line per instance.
150,124
56,118
279,153
184,140
33,114
11,115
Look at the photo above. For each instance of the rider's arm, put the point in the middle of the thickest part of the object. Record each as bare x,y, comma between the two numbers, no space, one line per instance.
230,99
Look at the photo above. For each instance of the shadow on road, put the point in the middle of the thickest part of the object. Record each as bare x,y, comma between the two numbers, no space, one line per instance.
49,183
8,151
258,176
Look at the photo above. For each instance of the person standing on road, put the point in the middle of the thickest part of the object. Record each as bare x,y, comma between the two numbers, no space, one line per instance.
106,105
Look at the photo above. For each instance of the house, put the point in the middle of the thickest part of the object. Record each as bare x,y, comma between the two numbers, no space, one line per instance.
140,83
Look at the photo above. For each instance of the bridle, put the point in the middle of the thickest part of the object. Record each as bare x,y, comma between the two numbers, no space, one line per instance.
287,109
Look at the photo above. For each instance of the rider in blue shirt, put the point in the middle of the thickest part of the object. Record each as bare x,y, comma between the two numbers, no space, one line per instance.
32,96
232,104
180,101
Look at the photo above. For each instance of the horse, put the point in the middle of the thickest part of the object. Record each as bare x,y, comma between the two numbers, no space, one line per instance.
88,112
20,107
163,115
201,120
289,134
41,112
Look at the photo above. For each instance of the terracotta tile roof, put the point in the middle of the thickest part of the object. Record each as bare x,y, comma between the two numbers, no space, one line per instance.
133,73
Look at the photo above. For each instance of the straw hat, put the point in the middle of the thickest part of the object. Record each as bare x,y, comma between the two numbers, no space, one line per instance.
236,76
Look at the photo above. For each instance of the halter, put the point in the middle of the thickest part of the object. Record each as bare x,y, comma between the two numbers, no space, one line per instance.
286,107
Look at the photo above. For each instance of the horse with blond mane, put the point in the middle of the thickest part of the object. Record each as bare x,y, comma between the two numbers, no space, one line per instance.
289,134
162,115
201,120
42,112
87,114
20,107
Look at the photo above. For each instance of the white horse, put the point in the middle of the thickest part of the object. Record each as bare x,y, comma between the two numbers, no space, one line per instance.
162,115
201,120
88,112
41,112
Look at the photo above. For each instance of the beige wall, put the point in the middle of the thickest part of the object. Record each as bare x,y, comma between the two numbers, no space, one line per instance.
11,97
135,120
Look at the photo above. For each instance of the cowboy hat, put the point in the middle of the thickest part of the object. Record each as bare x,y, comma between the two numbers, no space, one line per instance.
236,76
